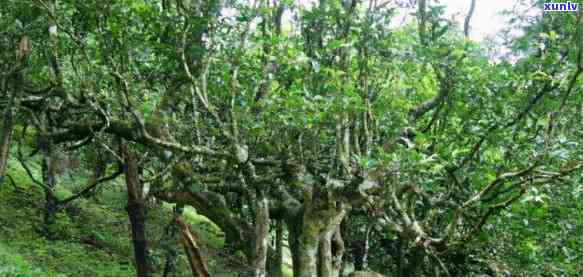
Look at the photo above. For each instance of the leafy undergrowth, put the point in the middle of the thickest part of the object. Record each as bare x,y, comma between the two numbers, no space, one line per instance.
12,264
93,235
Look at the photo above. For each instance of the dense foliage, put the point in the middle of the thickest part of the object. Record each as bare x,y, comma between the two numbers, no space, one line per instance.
317,136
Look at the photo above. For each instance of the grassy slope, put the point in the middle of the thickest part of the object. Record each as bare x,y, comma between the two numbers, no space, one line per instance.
94,234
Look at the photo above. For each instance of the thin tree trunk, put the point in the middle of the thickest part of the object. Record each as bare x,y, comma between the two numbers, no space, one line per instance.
262,237
276,260
99,160
48,177
8,119
197,263
50,201
366,248
136,210
469,18
6,140
171,233
422,17
293,241
337,252
99,164
400,258
361,252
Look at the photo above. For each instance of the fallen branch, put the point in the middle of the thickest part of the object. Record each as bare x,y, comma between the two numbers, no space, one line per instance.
197,263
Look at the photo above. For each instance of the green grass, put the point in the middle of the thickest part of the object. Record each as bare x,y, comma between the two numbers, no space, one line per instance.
287,272
207,231
24,252
93,235
14,265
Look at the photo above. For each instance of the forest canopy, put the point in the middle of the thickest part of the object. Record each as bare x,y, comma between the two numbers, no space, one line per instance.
321,140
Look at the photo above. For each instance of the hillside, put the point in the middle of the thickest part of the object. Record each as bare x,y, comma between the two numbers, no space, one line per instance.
93,234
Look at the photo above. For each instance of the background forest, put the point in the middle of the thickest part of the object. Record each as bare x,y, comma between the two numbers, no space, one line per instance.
287,138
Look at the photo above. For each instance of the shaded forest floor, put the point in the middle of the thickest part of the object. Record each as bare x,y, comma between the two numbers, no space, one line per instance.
94,237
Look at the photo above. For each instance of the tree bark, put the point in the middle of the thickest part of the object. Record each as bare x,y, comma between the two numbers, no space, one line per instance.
331,251
6,139
366,247
422,17
48,178
276,259
8,119
361,253
469,18
318,251
262,236
99,164
325,255
337,252
294,244
308,252
136,210
238,233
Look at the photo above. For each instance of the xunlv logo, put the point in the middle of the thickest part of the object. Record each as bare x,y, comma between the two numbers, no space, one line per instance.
561,7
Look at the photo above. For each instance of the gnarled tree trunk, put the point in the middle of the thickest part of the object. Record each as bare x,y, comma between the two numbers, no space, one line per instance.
331,250
318,249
